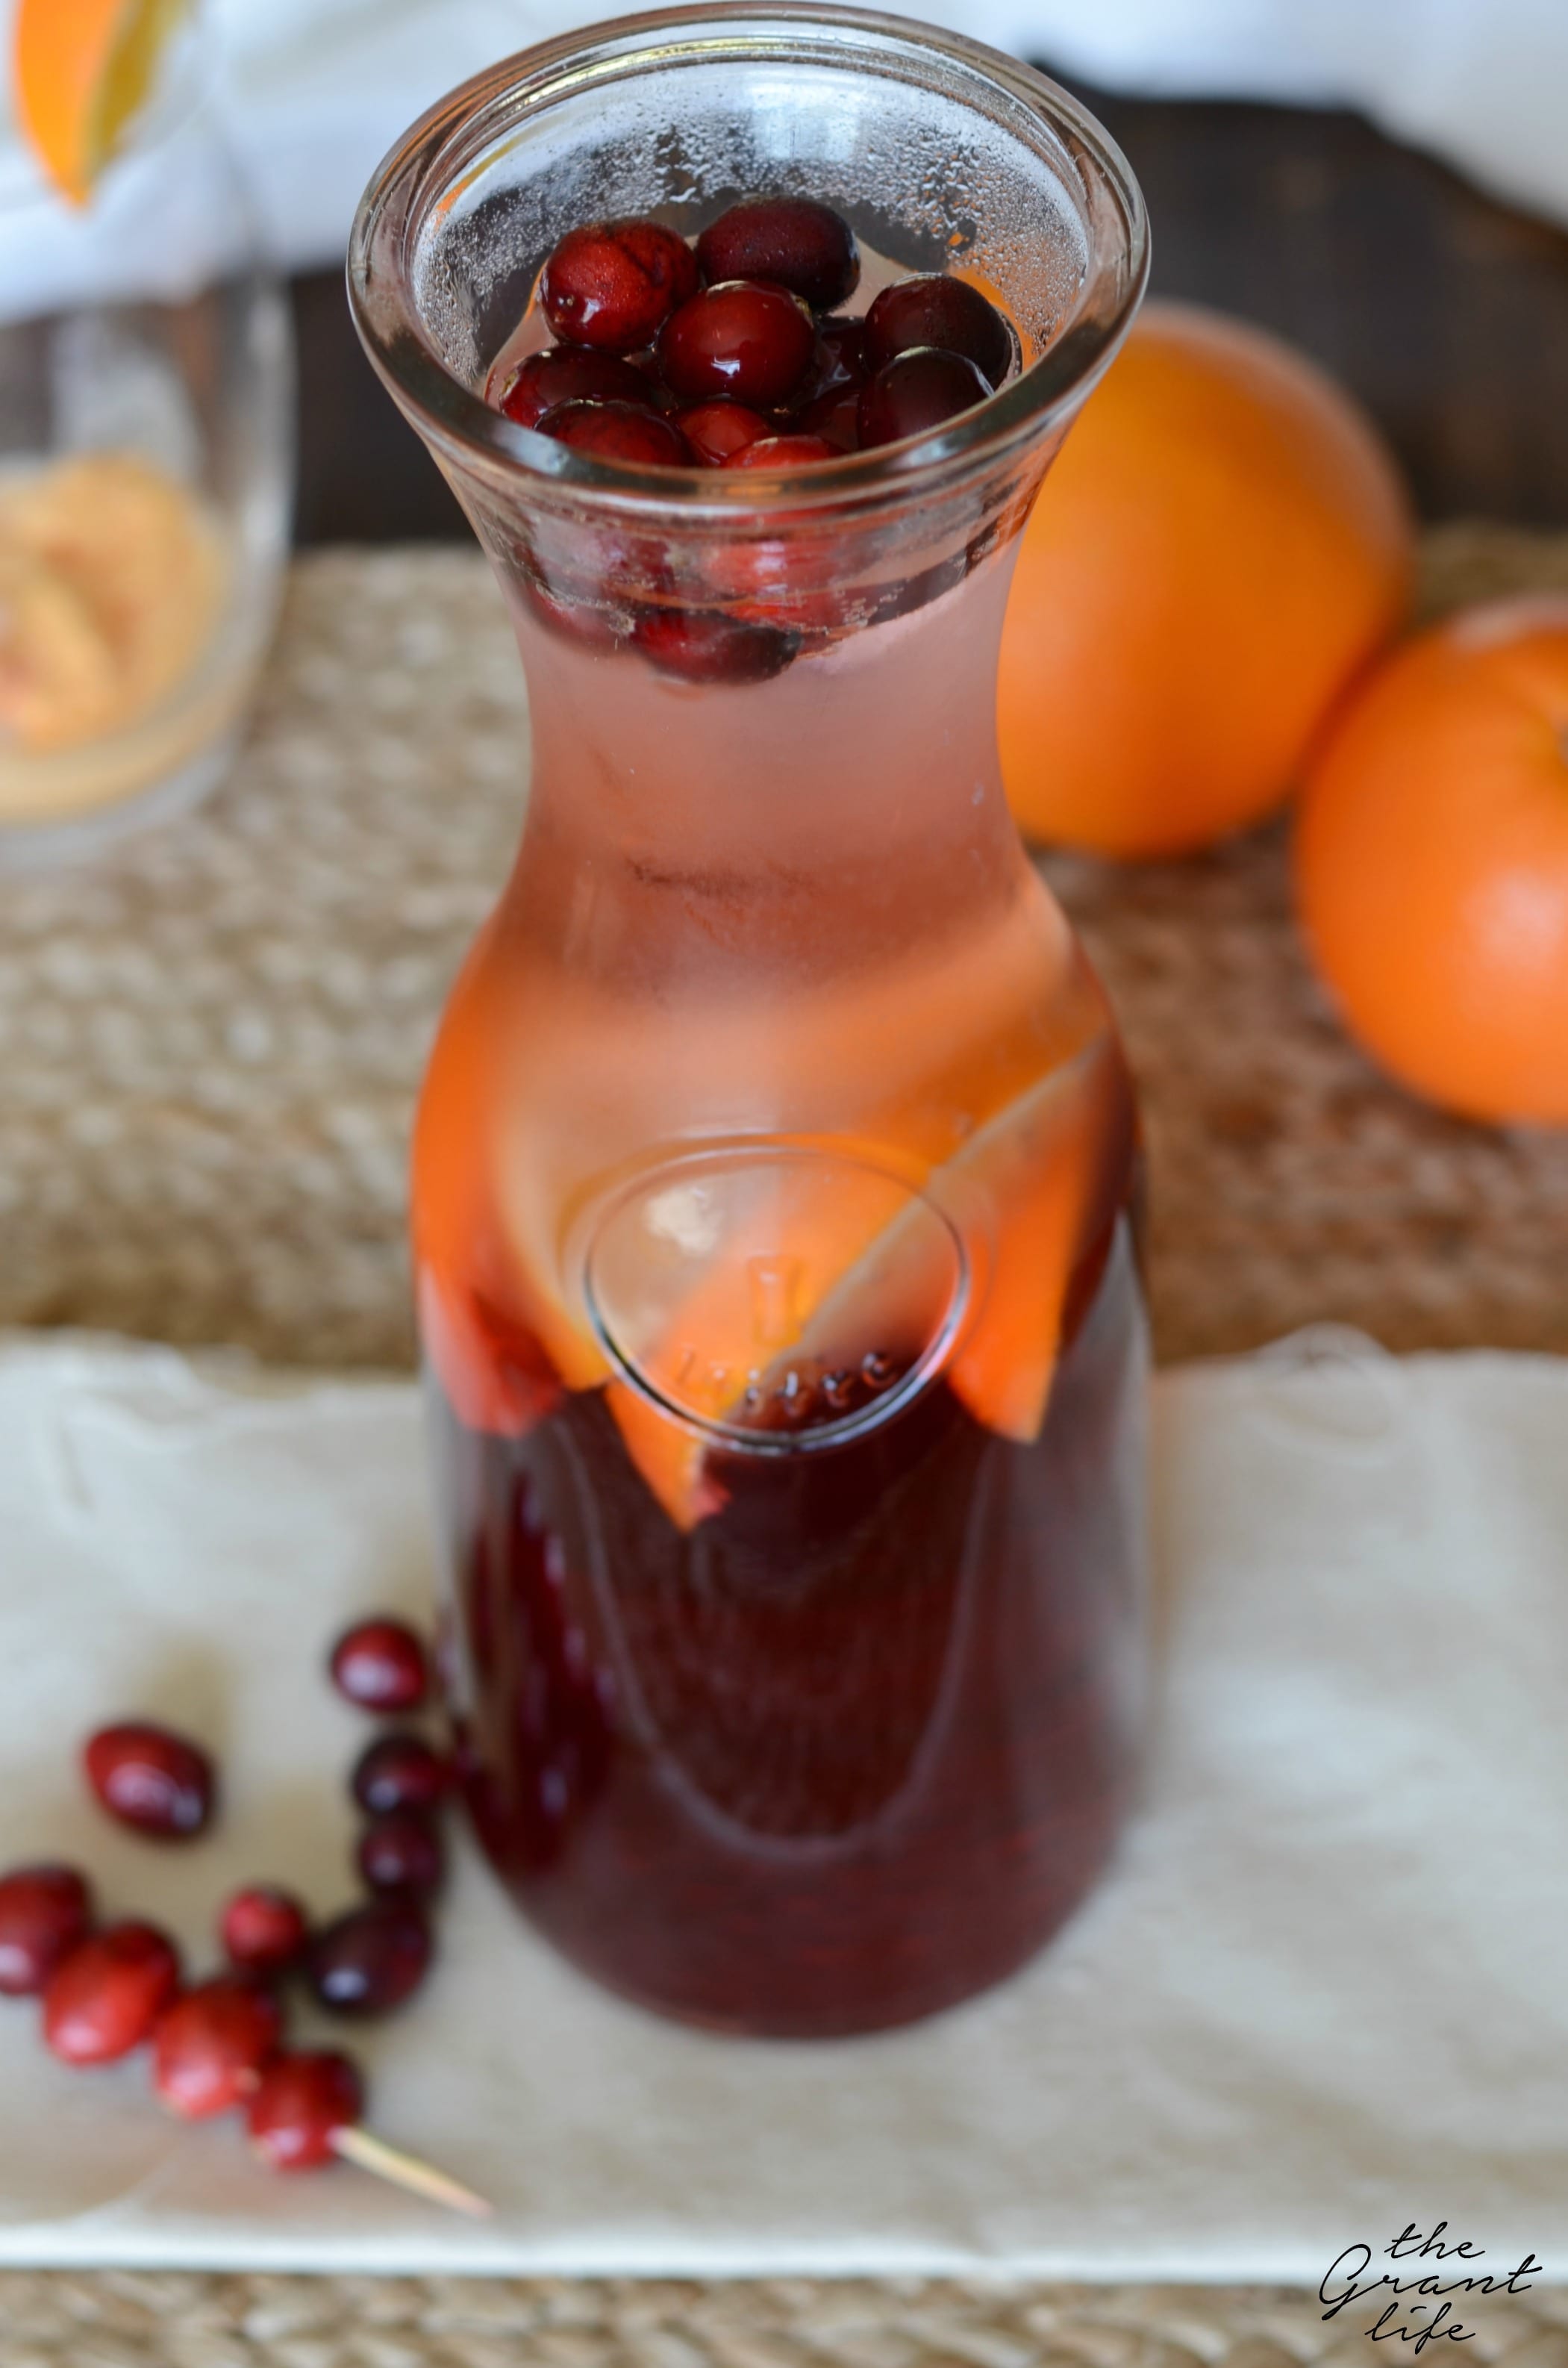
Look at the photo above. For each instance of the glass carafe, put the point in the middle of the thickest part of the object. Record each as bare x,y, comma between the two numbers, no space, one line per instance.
774,1167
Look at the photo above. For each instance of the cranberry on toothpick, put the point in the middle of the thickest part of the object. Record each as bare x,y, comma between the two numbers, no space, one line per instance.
45,1911
209,2047
104,1998
305,2115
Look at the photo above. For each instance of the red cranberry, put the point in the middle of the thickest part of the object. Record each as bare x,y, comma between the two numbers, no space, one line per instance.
949,314
150,1779
785,452
715,431
915,392
44,1912
618,431
843,357
614,284
834,416
704,646
400,1771
578,620
372,1959
380,1665
741,338
401,1851
264,1931
301,2102
805,247
103,1999
573,374
209,2049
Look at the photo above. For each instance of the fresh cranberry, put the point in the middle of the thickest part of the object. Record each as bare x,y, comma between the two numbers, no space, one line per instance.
370,1959
805,247
835,416
209,2048
704,646
104,1998
844,356
618,431
917,392
580,621
573,374
742,338
401,1851
933,310
380,1665
44,1912
614,284
301,2102
150,1779
715,431
264,1931
400,1771
785,452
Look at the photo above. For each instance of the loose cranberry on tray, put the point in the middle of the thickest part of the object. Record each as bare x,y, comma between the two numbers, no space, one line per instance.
104,1998
44,1911
380,1664
263,1930
146,1777
400,1771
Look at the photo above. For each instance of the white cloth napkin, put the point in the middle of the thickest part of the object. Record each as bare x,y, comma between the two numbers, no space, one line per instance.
315,91
1321,1995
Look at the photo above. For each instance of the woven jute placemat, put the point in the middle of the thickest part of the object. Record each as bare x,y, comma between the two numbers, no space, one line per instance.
209,1046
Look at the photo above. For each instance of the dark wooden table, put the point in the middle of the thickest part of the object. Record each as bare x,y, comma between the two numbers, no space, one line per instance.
1447,312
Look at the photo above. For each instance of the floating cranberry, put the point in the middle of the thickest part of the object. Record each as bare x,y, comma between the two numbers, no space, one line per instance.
785,452
151,1780
380,1665
44,1912
916,391
614,284
805,247
301,2102
573,374
579,621
104,1998
264,1931
843,357
618,431
834,416
400,1771
705,645
742,338
401,1851
209,2047
715,431
933,310
370,1959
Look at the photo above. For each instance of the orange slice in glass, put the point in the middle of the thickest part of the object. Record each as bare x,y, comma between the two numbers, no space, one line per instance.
81,71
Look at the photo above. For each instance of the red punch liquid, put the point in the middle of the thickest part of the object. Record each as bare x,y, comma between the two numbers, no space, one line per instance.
850,1748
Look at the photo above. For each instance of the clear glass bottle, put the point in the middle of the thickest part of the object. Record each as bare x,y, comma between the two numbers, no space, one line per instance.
774,1168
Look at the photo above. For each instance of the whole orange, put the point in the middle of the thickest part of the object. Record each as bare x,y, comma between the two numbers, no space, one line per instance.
1432,863
1221,545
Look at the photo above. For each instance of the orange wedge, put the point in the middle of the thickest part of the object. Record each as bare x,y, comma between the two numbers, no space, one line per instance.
82,69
